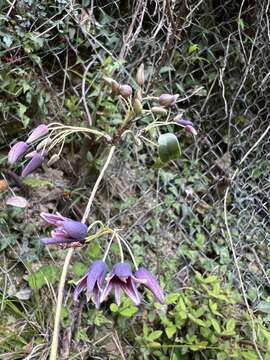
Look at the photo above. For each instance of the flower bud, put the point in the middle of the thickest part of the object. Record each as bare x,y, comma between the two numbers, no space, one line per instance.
159,110
167,99
138,95
17,151
53,159
125,91
108,80
188,125
46,142
140,75
191,129
31,154
115,87
37,133
33,164
137,106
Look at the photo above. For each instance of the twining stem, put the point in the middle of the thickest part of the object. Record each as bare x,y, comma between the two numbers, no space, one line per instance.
55,339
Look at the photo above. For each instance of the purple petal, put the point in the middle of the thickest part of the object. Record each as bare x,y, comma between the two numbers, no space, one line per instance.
184,122
80,287
95,276
131,291
53,219
122,270
151,283
17,151
75,229
38,132
191,129
106,291
58,234
32,165
55,240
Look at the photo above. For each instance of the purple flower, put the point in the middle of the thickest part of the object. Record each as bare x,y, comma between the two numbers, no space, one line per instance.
33,164
150,283
168,99
92,281
17,151
37,133
66,230
121,278
188,125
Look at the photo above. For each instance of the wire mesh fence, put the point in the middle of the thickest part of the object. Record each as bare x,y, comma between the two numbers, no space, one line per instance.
215,54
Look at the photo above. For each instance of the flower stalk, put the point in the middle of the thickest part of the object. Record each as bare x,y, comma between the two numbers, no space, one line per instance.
55,340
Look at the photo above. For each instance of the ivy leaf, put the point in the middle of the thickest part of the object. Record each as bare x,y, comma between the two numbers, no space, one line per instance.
169,148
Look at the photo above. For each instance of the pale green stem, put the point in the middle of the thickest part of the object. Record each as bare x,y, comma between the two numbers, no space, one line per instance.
120,247
130,253
108,248
55,339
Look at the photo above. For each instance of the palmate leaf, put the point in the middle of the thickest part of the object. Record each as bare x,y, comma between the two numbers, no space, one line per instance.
169,148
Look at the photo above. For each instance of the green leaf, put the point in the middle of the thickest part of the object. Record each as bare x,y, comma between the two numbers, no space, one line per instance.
113,307
216,326
46,274
230,325
79,268
7,40
170,331
169,148
145,329
154,335
34,182
264,307
171,298
249,355
197,321
192,48
129,311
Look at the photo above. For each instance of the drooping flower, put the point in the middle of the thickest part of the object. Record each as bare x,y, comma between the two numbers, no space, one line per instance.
17,151
121,277
168,99
66,230
37,133
92,281
150,282
188,125
33,164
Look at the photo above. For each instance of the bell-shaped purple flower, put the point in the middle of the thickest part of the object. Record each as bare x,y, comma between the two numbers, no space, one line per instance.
37,133
33,164
121,277
17,151
92,281
66,230
150,282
